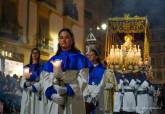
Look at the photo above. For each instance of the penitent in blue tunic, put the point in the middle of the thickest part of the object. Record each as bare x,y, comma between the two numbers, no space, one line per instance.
70,61
35,70
96,74
142,77
118,77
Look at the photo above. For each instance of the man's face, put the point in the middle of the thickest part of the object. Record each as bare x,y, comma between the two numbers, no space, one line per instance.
65,40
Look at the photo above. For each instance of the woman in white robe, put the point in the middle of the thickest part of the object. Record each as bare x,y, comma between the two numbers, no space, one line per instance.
64,93
30,101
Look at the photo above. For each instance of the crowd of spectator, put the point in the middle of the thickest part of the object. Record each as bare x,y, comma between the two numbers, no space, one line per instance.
10,93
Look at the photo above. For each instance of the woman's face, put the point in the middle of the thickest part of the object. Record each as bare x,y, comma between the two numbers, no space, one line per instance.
35,55
65,40
92,57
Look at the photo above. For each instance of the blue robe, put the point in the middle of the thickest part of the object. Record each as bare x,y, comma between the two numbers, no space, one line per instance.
35,70
95,77
70,61
142,77
96,74
118,76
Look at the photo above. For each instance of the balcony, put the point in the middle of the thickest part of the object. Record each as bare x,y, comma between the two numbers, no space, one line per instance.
71,10
50,3
43,43
11,31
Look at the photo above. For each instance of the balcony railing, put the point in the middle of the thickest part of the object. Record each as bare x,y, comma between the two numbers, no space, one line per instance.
51,3
42,41
11,31
71,10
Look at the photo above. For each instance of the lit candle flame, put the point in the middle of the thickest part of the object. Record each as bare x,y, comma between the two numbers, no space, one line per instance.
26,72
57,66
56,63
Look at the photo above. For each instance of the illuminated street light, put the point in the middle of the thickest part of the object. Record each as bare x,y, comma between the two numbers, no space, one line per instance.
104,26
98,28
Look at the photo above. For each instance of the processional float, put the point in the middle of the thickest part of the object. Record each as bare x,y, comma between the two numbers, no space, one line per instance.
127,42
127,46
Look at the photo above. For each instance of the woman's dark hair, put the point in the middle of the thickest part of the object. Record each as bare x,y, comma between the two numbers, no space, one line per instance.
35,49
97,54
73,48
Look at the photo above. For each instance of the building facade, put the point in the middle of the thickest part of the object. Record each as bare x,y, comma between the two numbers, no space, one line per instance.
25,24
94,17
158,54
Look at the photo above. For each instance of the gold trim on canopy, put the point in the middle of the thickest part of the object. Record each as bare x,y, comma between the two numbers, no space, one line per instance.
127,25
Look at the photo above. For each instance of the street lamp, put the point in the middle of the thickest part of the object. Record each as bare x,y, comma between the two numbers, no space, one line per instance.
104,26
98,28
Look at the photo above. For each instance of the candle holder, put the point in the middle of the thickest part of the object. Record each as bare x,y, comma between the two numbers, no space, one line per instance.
58,76
58,72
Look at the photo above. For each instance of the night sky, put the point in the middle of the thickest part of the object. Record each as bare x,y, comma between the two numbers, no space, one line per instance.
153,9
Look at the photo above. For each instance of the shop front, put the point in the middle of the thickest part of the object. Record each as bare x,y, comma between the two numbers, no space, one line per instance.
11,63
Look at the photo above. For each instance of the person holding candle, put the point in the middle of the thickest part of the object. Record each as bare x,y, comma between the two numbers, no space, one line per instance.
29,102
93,93
62,87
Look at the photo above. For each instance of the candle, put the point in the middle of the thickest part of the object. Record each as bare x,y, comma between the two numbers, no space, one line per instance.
57,66
26,72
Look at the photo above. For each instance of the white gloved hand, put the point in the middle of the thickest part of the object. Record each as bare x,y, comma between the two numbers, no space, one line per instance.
126,82
60,90
138,81
58,99
108,86
120,81
29,88
88,98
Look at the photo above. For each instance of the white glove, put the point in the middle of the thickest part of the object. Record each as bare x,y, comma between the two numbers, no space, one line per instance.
138,81
60,90
126,82
145,85
120,81
108,86
29,88
58,99
88,98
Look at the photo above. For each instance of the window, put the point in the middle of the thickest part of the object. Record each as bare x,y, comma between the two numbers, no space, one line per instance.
159,75
152,48
88,14
164,61
43,33
154,74
70,9
163,47
9,26
153,61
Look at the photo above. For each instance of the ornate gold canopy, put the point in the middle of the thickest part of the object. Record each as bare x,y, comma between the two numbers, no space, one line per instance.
127,25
